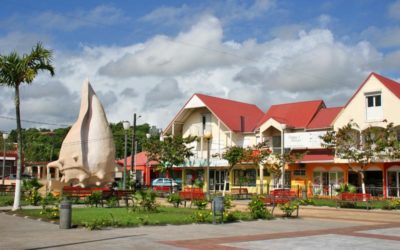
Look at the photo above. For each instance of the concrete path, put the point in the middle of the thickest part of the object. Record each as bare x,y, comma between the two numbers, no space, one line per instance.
319,228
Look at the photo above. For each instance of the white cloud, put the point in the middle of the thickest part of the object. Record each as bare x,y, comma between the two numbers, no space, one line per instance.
99,16
165,56
388,37
324,20
162,94
21,42
156,77
167,15
234,10
394,10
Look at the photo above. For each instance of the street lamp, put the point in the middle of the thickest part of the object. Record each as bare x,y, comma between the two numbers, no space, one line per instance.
208,136
283,127
5,137
126,126
134,145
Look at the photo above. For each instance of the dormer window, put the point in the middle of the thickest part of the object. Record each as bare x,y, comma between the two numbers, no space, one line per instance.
374,111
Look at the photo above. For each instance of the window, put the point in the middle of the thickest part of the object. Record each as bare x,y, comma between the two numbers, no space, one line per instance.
299,172
206,122
374,111
374,101
244,177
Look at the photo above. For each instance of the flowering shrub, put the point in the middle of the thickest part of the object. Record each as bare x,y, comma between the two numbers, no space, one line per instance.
51,213
288,208
174,199
257,208
201,216
201,204
391,204
230,217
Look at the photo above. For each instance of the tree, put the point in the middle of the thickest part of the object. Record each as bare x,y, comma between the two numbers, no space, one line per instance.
258,154
15,70
361,149
234,155
172,151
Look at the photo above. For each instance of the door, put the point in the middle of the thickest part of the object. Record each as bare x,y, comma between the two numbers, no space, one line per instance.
393,183
217,178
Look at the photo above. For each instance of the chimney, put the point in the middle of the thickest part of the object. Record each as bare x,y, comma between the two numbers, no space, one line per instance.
241,123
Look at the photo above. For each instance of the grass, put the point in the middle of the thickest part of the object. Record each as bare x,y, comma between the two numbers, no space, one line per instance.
96,218
8,200
375,204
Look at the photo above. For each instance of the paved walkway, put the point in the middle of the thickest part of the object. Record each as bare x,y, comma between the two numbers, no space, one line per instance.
320,228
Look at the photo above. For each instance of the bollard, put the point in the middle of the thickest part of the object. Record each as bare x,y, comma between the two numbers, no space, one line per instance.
218,208
65,214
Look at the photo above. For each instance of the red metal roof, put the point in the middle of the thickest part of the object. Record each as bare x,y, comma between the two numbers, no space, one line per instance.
315,155
295,115
141,160
393,86
324,118
230,112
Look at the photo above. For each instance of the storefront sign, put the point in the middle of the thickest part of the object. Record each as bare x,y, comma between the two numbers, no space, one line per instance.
303,139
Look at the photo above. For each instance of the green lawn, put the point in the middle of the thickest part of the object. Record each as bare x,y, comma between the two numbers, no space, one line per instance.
8,200
95,218
360,205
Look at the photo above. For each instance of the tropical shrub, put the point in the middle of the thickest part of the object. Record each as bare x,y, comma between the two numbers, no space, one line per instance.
391,204
112,201
230,217
175,199
202,216
31,187
288,208
257,208
94,199
146,200
200,204
346,188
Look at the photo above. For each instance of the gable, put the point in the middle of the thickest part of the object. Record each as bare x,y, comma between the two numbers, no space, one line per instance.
356,107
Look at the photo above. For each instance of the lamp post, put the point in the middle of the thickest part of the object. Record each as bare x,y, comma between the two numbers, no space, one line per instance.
283,127
208,136
134,145
126,126
5,137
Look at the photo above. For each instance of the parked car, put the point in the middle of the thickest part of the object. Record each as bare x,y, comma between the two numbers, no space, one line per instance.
163,182
179,183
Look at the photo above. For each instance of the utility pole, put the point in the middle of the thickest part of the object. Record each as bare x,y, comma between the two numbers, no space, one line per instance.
133,147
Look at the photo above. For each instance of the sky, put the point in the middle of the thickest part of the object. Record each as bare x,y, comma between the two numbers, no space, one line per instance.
149,57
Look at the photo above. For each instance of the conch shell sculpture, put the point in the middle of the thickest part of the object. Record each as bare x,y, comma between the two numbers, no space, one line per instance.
87,155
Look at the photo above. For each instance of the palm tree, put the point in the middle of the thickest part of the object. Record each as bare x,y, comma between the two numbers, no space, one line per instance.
15,70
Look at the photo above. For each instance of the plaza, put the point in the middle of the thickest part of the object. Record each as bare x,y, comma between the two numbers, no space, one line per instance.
322,228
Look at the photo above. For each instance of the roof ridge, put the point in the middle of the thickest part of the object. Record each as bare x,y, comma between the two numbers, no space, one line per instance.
226,99
290,103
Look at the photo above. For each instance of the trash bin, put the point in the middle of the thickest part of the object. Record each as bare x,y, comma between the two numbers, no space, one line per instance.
218,208
65,214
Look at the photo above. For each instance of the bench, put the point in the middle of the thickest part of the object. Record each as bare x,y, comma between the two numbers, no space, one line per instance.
280,197
240,193
77,193
125,195
190,194
7,189
353,198
163,191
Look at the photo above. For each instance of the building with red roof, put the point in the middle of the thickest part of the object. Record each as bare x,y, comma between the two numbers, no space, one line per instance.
145,169
295,127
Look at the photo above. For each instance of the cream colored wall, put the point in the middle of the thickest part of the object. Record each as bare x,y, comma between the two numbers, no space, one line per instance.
356,109
220,134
